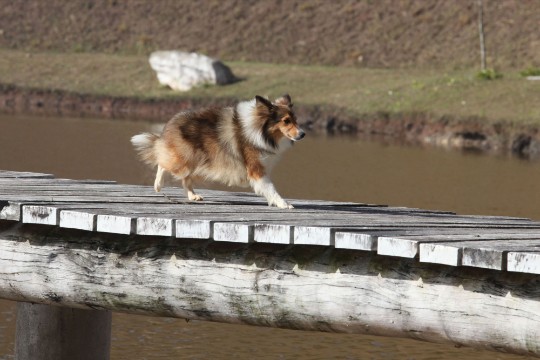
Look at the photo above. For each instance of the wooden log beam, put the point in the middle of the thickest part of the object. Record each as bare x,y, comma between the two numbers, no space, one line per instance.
287,286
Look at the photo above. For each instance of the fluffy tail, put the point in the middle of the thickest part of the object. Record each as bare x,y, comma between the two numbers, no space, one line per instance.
144,145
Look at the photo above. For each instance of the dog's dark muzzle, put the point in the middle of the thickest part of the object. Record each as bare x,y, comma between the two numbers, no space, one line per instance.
300,136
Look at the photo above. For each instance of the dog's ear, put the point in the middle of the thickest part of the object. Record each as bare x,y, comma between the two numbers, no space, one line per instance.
284,100
261,101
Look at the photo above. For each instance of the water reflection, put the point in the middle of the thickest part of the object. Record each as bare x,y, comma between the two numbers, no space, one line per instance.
322,168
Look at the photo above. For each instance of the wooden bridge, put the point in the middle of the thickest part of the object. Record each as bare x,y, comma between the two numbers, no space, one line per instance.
71,251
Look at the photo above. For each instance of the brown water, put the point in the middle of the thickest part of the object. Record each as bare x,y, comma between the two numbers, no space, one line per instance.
316,168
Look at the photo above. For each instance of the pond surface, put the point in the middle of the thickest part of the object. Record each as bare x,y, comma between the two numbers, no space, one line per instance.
316,168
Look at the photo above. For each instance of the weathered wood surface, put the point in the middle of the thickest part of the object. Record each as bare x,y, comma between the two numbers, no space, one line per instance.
46,332
299,287
104,246
493,242
24,175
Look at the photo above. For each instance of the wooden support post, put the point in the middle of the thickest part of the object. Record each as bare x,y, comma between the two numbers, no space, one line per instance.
481,33
46,332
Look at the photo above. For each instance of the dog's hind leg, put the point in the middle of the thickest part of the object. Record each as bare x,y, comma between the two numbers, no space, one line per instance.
187,183
158,183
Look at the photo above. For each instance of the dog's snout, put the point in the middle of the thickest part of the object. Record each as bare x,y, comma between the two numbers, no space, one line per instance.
301,135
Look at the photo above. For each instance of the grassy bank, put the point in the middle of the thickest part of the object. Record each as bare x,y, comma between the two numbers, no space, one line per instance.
358,91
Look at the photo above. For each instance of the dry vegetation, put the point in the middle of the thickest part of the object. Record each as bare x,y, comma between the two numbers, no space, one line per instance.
365,33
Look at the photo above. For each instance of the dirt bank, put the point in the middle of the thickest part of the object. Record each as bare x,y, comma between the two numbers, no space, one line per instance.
474,134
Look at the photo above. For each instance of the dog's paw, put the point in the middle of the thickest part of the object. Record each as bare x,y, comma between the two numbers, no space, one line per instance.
284,205
195,197
157,188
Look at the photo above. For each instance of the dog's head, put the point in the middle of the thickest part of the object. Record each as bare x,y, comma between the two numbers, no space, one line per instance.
279,118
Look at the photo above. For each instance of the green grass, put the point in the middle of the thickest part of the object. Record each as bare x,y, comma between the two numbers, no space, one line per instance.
489,74
530,72
359,91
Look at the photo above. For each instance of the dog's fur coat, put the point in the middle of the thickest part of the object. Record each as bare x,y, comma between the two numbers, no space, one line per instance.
232,145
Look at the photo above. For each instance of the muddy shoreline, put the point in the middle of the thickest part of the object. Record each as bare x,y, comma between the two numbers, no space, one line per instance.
419,128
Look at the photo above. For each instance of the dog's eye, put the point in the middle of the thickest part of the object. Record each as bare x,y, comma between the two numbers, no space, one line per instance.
286,121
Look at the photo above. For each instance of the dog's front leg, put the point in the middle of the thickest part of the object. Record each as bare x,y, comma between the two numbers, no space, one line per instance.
264,187
260,182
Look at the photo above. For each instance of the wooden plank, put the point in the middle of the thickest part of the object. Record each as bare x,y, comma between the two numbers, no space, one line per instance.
145,210
328,218
255,212
70,187
397,246
306,202
273,233
23,183
58,190
23,174
88,220
313,235
207,218
10,211
83,198
446,255
44,215
172,210
355,241
303,219
116,224
233,232
169,210
10,194
524,262
494,255
91,193
58,182
127,209
158,199
81,220
408,246
48,215
114,194
99,195
367,239
194,229
13,210
155,226
94,205
164,224
241,214
485,251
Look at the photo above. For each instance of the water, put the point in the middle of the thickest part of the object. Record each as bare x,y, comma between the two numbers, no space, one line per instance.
316,168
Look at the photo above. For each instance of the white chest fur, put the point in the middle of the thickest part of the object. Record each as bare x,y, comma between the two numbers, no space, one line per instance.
270,160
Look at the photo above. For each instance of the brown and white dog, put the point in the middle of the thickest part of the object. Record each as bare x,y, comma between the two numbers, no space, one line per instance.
232,145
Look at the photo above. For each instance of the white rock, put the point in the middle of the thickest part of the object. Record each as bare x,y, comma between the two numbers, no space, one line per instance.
183,70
